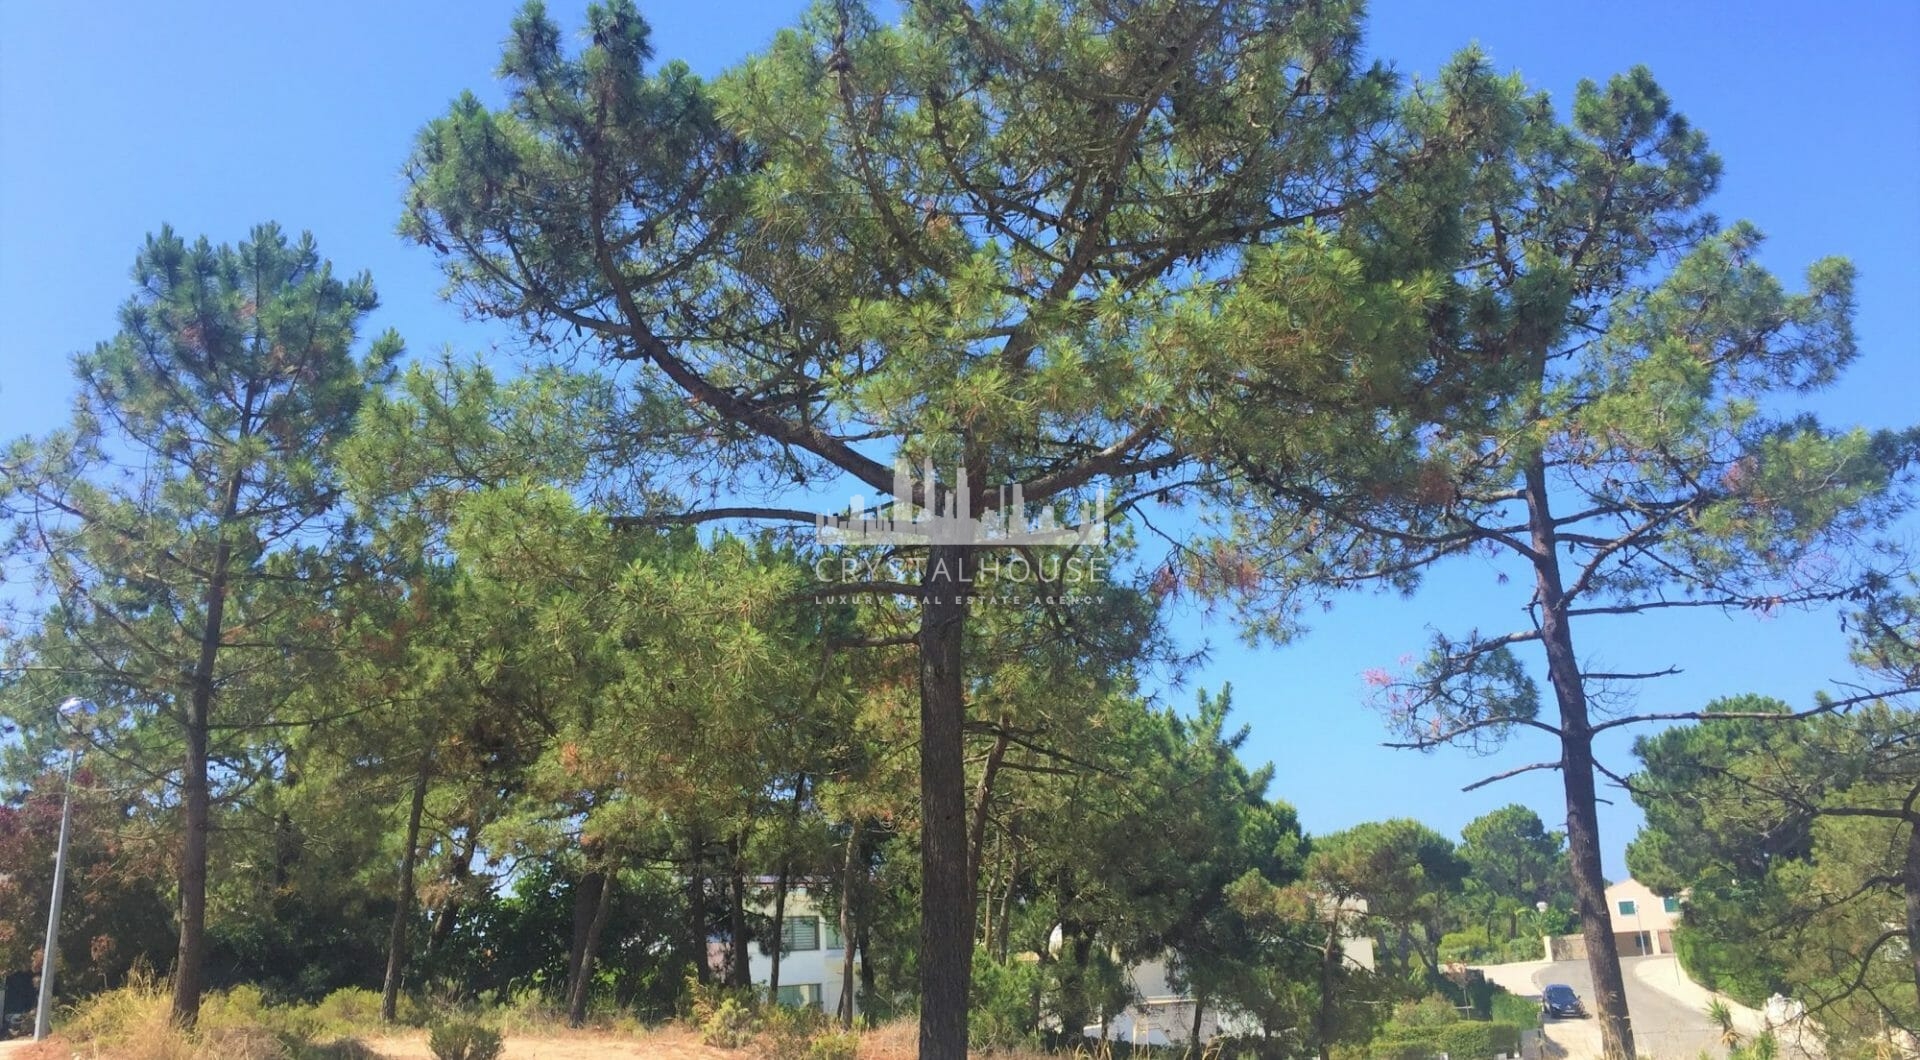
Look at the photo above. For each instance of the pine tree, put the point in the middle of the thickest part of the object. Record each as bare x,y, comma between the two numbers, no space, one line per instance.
956,238
1628,463
176,527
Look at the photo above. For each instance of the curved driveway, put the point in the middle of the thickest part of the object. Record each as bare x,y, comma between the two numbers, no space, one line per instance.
1663,1028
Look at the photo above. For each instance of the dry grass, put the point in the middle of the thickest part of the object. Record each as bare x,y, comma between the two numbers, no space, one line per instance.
663,1043
132,1024
898,1040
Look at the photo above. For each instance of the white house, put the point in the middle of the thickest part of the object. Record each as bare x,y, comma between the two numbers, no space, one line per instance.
813,955
1161,1015
1643,921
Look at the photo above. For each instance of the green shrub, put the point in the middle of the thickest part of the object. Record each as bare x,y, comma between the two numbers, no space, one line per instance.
1467,946
789,1029
1741,969
1522,1012
1434,1010
1403,1045
527,1010
705,999
1476,1040
349,1008
834,1045
464,1040
1463,1040
343,1049
730,1026
1003,1011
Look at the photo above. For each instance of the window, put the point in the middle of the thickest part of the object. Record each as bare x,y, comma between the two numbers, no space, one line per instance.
1672,905
798,933
1628,908
799,994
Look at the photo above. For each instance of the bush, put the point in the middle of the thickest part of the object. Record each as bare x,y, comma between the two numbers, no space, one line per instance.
344,1049
1475,1040
1464,1040
141,1009
834,1045
1003,1011
527,1010
464,1040
730,1026
1740,969
790,1029
241,1043
1467,946
349,1009
705,999
1519,1011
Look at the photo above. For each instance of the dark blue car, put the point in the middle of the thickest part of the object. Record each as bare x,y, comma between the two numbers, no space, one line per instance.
1560,1001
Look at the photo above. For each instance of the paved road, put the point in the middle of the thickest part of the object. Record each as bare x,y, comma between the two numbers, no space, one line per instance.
1663,1028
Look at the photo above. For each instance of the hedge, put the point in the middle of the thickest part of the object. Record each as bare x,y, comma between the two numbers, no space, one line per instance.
1467,1040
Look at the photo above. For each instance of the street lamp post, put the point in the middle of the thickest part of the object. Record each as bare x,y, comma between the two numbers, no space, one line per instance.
43,1019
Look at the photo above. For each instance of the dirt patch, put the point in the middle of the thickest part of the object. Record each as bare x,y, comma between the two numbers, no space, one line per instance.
662,1044
49,1050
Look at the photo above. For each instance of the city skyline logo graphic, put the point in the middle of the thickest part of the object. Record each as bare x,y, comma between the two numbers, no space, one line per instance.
898,521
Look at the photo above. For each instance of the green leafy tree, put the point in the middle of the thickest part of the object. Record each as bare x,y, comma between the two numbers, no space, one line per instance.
1630,462
1795,842
1513,863
954,238
1387,880
174,528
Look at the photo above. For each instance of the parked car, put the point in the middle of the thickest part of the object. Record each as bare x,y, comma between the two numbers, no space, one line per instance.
16,1004
1559,1001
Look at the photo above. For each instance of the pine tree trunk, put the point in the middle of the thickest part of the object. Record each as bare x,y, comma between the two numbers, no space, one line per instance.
865,930
1199,1008
403,901
982,802
187,982
739,971
779,932
1576,769
1911,883
1006,896
1329,969
459,867
1078,943
697,908
586,903
847,926
189,967
946,899
780,889
589,950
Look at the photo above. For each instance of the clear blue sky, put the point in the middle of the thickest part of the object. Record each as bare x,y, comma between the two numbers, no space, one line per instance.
215,115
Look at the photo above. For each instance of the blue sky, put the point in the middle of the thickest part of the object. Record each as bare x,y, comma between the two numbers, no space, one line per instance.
212,116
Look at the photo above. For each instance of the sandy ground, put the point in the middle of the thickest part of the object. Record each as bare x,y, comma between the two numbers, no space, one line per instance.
663,1044
584,1045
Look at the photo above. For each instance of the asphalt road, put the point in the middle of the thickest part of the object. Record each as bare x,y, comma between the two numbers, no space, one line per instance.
1663,1028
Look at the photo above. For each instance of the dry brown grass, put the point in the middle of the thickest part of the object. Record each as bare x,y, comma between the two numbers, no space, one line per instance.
898,1040
664,1043
133,1026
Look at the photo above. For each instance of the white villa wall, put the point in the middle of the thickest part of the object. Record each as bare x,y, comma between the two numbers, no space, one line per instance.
821,967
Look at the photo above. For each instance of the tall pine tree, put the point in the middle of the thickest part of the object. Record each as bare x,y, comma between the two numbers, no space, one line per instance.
177,529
